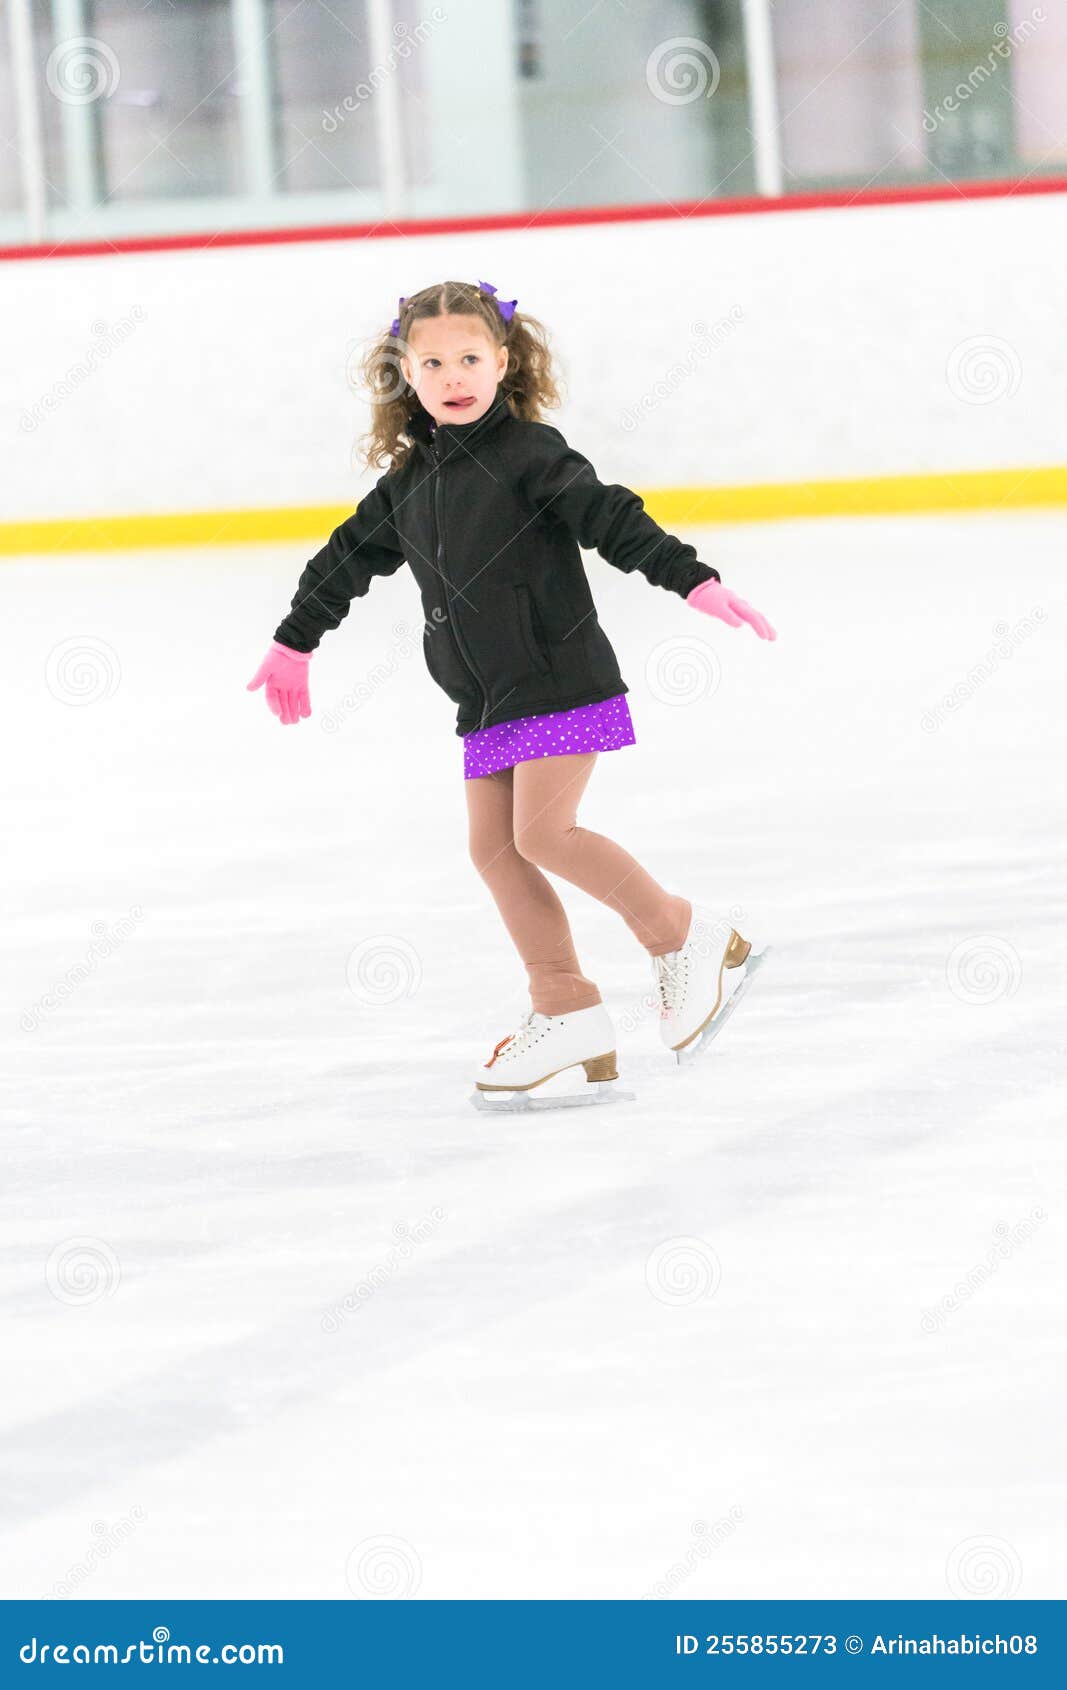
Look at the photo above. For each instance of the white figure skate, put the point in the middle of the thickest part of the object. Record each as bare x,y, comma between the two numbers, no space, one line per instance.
543,1046
701,985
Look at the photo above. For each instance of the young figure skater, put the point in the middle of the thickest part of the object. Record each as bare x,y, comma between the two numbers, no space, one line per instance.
489,506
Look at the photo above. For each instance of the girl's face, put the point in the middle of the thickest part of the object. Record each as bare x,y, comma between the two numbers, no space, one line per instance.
455,367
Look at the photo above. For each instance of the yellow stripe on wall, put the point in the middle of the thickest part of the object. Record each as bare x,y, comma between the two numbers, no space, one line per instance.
172,528
895,495
672,507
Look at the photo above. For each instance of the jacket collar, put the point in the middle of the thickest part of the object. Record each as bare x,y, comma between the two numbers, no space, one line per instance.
447,438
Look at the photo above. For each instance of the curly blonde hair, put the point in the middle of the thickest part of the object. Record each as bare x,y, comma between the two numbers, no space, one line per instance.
529,383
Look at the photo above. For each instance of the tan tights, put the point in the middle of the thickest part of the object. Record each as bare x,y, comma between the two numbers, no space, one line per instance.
522,820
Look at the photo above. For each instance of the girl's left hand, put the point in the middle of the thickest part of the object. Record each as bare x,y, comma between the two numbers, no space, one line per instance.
716,600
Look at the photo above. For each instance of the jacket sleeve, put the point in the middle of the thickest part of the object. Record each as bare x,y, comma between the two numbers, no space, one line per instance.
365,545
610,519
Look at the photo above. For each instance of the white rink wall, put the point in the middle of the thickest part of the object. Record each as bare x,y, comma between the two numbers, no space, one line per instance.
717,351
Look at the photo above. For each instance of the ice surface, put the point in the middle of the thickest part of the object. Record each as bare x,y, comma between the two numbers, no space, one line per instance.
694,1344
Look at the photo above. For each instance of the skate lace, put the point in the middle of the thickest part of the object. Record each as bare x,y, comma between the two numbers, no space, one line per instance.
668,976
517,1041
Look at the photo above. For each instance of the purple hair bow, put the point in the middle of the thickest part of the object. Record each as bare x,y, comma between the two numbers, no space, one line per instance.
506,308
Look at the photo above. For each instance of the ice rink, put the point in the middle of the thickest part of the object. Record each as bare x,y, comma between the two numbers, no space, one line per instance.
287,1318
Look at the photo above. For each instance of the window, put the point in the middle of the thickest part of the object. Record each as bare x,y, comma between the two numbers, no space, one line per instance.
849,92
325,121
153,115
633,105
880,92
171,125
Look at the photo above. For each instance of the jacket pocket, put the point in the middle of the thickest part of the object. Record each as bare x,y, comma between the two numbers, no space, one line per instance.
532,632
441,666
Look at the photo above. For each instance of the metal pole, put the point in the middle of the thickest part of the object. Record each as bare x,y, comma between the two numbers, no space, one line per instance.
78,117
257,99
28,114
763,95
384,80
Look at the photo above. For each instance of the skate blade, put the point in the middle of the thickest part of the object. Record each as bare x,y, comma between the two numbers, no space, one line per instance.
691,1052
522,1103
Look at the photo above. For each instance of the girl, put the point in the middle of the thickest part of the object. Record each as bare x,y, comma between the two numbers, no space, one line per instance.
489,505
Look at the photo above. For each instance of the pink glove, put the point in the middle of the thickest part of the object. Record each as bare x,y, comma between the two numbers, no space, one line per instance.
716,600
286,674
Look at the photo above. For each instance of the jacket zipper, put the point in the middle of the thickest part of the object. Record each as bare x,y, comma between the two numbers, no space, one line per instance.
439,556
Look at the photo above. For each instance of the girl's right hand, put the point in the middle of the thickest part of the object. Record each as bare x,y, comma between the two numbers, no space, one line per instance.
285,672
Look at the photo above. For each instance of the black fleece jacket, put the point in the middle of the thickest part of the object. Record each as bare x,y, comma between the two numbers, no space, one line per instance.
490,516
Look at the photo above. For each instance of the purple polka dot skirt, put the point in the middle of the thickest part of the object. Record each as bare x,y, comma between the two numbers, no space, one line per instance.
591,727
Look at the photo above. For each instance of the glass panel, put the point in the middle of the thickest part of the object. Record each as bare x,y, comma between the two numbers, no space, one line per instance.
595,104
850,92
325,91
170,124
966,89
1039,83
883,92
624,105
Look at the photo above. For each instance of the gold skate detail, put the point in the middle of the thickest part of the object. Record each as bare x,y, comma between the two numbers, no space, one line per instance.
736,952
596,1068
